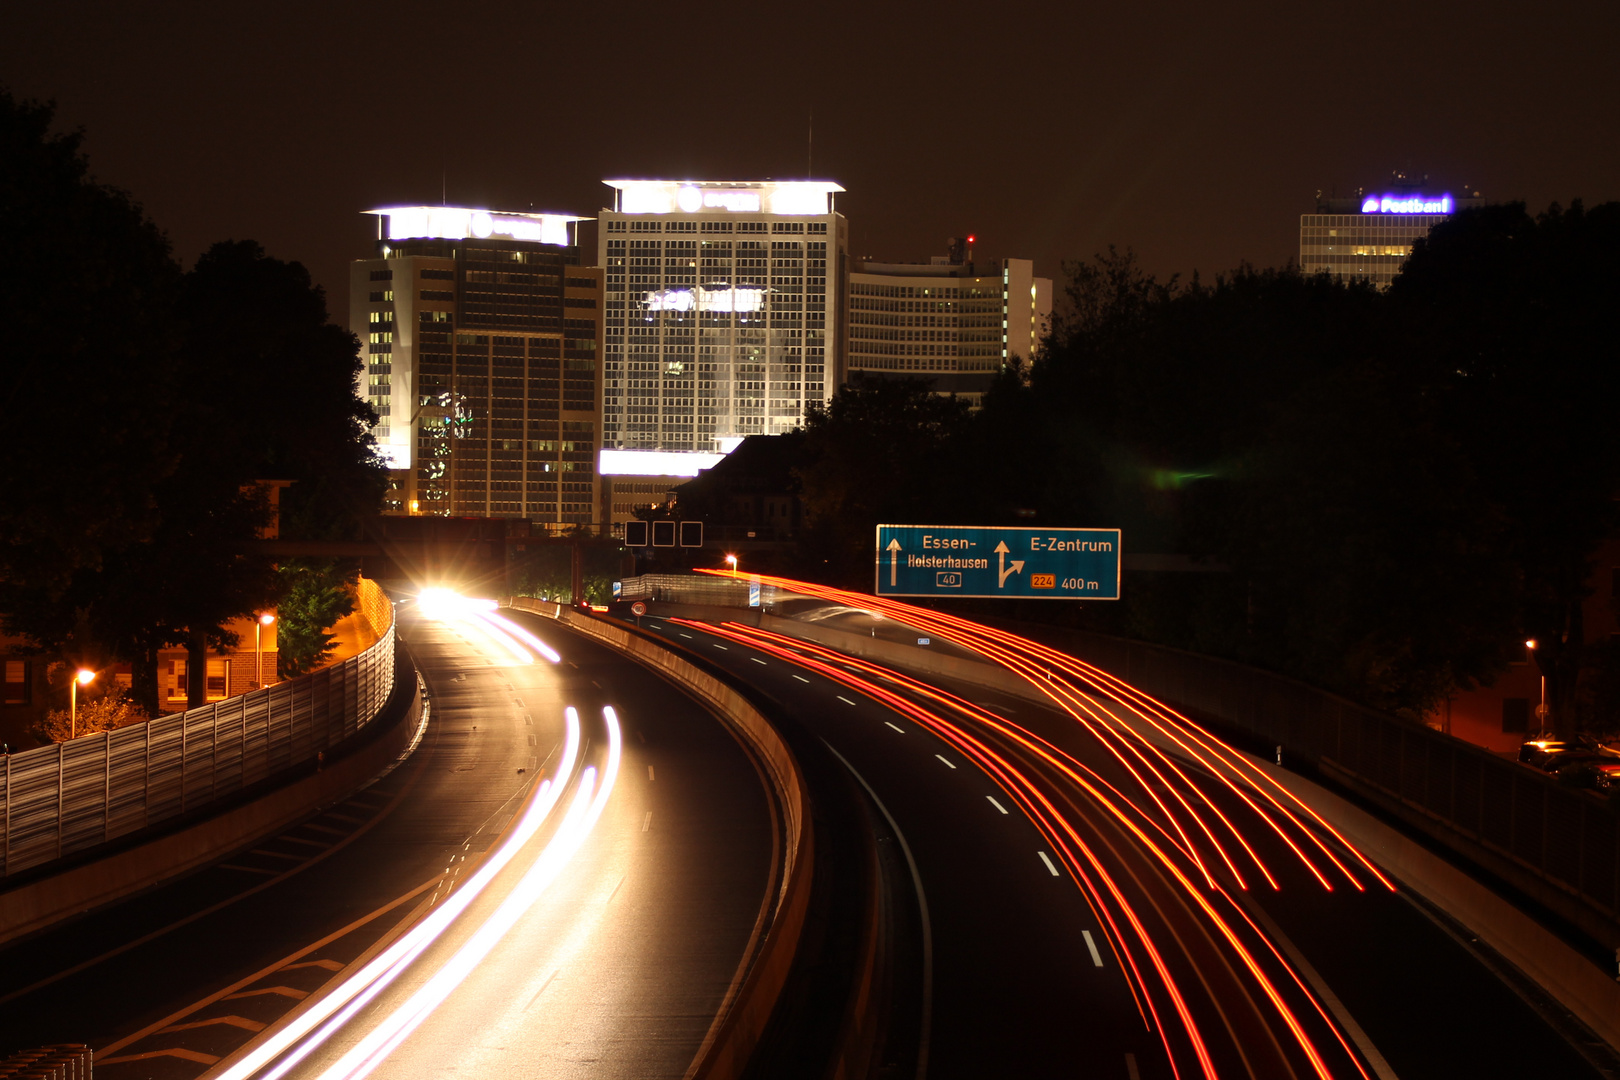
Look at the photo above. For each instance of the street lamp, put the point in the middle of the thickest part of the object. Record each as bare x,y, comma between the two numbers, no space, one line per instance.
258,648
1541,710
82,677
732,560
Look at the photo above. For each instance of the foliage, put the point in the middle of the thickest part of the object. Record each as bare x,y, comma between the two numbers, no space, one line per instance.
315,594
547,570
882,449
87,289
112,708
144,405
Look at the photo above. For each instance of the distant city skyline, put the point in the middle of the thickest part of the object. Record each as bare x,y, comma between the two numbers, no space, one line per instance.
1193,135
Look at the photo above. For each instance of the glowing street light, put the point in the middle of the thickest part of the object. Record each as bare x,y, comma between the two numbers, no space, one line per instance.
258,647
82,677
732,561
1541,710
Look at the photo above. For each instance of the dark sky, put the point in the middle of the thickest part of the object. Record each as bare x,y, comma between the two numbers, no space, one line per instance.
1192,132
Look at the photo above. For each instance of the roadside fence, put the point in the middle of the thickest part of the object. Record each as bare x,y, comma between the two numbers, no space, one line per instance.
62,799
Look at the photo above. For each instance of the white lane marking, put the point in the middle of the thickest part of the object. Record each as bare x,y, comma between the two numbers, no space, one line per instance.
1096,957
687,636
946,760
1048,863
649,772
995,804
801,678
757,660
1130,1068
896,727
844,699
646,823
722,647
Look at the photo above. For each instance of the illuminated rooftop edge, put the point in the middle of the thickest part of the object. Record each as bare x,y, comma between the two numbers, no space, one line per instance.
824,186
391,210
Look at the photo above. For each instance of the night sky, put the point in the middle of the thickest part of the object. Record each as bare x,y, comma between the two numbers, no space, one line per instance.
1195,133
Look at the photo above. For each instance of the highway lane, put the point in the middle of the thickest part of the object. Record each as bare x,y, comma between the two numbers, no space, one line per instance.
1419,996
1014,991
661,908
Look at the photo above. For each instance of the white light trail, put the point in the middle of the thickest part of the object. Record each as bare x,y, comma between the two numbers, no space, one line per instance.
372,1050
300,1036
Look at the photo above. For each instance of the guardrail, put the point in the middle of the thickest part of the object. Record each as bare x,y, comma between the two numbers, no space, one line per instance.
62,799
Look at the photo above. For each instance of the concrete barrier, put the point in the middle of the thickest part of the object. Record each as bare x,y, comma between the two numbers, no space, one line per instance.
742,1020
33,906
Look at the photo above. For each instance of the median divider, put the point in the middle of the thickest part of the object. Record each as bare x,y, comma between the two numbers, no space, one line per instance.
764,972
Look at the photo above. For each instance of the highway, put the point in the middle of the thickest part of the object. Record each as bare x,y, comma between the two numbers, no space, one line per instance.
1097,908
656,858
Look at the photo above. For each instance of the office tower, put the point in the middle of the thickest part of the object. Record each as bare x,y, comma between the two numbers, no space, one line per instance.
954,321
1369,235
482,335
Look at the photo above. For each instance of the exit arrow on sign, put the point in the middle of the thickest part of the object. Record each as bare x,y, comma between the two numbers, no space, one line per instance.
1003,569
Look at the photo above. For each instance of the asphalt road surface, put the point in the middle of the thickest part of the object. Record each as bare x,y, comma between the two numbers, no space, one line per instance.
617,970
1025,981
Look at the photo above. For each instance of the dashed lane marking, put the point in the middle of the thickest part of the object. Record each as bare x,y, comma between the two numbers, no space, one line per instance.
844,699
230,1021
646,822
757,660
1091,946
995,804
946,760
1048,863
278,991
176,1052
896,727
802,679
649,772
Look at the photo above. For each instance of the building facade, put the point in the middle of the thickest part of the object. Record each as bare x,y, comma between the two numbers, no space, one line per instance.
955,321
483,339
1369,236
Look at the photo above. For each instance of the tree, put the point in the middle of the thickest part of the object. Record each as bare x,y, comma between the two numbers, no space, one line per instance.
880,449
1511,320
315,594
87,290
113,708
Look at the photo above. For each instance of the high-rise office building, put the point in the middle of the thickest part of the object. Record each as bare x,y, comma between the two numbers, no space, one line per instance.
722,310
1369,235
483,338
953,321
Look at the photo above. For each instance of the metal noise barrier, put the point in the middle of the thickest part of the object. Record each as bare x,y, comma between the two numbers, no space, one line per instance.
69,1061
65,798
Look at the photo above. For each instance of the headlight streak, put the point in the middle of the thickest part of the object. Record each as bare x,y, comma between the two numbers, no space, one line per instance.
582,816
512,628
480,617
1036,665
311,1028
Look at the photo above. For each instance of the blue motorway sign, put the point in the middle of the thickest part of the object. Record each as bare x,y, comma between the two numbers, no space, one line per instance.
990,561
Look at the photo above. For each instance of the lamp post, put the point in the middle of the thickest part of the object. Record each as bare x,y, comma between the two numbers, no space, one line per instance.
1541,710
82,677
732,561
258,648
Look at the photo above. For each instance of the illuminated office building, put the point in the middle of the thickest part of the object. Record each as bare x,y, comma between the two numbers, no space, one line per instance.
1369,235
722,311
482,337
954,321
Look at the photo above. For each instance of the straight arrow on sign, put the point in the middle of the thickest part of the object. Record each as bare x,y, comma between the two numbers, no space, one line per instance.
894,560
1001,565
